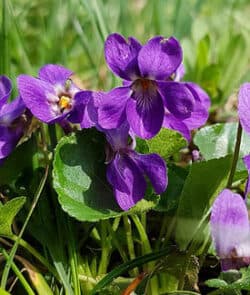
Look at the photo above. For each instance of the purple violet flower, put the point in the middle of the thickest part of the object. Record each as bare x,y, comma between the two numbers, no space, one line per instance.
12,119
127,169
52,97
230,230
149,98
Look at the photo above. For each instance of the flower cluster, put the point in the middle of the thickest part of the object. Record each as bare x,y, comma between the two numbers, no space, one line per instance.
151,97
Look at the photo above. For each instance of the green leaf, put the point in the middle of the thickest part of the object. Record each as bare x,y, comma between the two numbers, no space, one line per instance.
210,79
166,143
231,282
216,283
79,177
7,213
19,160
244,281
218,141
170,198
204,182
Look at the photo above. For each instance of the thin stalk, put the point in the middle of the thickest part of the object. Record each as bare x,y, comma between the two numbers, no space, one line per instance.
117,244
105,242
144,220
73,257
36,254
52,135
146,249
18,273
130,243
16,244
236,156
116,223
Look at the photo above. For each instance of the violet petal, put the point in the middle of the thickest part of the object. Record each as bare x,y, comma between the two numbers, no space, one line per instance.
5,89
10,111
230,225
177,98
171,122
155,169
54,74
121,55
34,93
127,180
146,118
246,160
111,110
8,140
244,106
159,58
118,137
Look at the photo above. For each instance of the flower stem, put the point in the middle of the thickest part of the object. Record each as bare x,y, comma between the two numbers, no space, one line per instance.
146,249
130,243
18,274
52,135
36,254
105,242
73,257
236,156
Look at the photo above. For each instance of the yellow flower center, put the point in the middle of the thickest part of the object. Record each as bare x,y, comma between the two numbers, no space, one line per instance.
65,102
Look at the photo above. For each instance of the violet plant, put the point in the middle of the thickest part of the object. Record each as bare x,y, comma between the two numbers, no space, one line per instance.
118,181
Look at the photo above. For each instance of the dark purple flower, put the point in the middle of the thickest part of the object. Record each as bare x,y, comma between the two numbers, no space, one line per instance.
149,97
230,230
12,119
52,96
127,169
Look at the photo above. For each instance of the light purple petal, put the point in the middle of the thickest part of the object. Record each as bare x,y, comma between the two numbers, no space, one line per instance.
177,98
159,58
230,225
171,122
10,111
54,74
246,160
34,93
127,180
121,55
244,106
111,109
5,89
155,169
145,119
179,73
